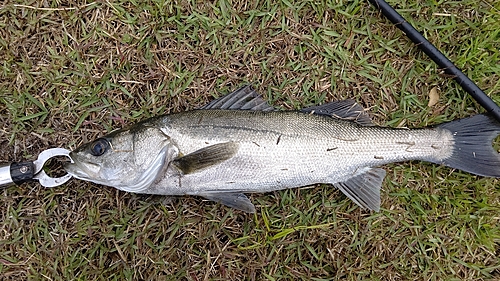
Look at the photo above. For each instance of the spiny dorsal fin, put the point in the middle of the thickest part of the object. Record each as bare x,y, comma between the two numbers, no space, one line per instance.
364,188
344,109
206,157
245,98
232,199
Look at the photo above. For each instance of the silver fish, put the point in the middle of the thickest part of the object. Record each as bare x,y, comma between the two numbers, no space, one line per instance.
239,144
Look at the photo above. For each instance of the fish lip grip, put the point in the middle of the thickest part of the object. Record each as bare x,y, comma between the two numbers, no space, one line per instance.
20,172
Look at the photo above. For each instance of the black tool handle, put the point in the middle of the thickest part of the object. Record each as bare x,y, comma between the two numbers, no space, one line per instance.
16,173
441,60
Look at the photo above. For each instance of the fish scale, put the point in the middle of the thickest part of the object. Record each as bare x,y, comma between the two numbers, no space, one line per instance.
293,148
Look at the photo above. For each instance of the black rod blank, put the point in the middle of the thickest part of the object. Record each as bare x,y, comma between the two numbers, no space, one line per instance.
441,60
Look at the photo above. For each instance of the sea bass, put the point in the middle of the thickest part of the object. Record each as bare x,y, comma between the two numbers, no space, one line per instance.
240,144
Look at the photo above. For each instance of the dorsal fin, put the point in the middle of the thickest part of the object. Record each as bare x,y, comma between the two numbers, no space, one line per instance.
245,98
344,109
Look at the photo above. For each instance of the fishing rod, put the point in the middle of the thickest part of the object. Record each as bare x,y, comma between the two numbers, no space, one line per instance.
441,60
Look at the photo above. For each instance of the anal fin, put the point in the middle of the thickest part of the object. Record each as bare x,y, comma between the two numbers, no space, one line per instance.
231,199
364,188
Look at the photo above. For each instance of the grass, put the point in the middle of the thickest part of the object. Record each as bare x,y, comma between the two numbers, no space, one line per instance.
71,71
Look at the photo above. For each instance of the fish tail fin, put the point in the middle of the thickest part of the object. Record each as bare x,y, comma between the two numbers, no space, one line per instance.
473,151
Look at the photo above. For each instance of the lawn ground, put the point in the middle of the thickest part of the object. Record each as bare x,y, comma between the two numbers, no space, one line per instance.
71,71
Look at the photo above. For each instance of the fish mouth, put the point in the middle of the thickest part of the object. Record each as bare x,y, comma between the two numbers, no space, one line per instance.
77,170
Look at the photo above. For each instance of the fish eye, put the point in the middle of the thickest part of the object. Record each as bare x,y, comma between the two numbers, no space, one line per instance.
99,147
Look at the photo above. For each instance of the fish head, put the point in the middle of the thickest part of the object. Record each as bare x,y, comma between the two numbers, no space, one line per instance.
130,159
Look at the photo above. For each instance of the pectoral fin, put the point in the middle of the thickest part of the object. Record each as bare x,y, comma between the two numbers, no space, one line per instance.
206,157
364,188
234,200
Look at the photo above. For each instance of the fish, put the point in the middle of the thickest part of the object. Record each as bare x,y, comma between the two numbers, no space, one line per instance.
239,144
